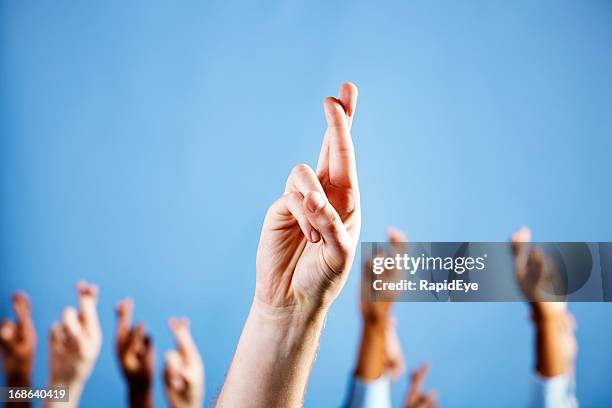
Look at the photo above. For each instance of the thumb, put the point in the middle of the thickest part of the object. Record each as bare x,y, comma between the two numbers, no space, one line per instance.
337,246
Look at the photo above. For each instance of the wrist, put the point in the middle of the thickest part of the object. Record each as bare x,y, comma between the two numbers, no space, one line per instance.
18,379
277,346
140,396
74,386
375,322
541,313
281,319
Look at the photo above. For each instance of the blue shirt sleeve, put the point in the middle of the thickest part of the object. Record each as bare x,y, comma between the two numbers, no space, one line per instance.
554,392
370,394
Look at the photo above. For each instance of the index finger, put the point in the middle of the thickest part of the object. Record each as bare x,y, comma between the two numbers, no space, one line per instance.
397,239
347,101
416,381
23,311
88,297
124,318
518,240
184,341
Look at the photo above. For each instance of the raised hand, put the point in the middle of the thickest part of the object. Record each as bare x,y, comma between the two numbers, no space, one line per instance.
18,343
136,356
305,252
553,328
310,233
535,275
379,349
184,369
416,397
378,311
74,343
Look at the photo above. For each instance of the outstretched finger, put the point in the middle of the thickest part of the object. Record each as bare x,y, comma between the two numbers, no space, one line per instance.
397,239
416,383
22,308
519,239
184,341
88,297
341,166
347,95
124,312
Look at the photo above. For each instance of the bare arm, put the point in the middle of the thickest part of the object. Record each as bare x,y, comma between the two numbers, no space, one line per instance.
136,356
17,346
550,318
74,345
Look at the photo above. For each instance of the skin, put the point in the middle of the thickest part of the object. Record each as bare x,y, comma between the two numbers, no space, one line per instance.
136,356
554,326
18,346
379,350
74,345
306,249
416,397
184,369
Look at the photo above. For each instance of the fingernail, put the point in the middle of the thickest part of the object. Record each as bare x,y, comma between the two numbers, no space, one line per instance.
315,236
315,202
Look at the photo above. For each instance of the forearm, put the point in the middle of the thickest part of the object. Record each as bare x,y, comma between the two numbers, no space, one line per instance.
372,353
74,389
273,358
18,380
549,342
140,397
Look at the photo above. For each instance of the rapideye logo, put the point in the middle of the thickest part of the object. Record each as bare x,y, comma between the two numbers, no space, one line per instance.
412,264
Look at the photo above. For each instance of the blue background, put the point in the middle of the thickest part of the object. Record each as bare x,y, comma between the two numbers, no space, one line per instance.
142,143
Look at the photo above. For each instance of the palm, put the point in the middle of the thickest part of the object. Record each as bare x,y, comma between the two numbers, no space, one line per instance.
294,266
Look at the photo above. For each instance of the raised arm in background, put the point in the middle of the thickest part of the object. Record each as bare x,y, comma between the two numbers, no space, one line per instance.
373,358
18,345
184,369
555,342
136,356
306,250
74,345
379,359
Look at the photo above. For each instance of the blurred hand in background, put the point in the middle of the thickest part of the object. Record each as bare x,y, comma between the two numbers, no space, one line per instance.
379,350
380,359
74,344
555,341
549,317
136,356
395,364
18,345
184,369
416,397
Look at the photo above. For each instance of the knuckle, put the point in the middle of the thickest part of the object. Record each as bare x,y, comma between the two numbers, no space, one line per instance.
300,169
295,197
330,220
